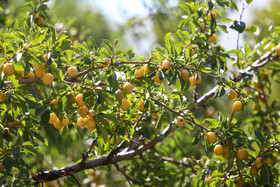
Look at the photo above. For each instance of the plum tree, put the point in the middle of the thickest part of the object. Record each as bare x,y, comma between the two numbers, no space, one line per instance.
145,117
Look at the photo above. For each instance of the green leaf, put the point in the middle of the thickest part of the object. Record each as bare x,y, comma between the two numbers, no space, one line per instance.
103,132
64,131
251,29
248,1
8,163
110,117
45,118
210,5
239,26
33,150
230,165
264,176
40,111
109,45
80,132
259,136
223,28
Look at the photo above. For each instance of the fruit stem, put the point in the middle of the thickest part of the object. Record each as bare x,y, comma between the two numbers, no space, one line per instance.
232,113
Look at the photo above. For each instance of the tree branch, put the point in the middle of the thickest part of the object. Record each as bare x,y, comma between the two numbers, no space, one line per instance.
129,178
70,170
263,60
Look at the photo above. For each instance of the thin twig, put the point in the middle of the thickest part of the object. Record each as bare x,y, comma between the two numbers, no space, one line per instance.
76,180
120,146
88,152
129,178
231,116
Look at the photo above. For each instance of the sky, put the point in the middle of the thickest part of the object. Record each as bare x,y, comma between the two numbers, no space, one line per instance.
119,11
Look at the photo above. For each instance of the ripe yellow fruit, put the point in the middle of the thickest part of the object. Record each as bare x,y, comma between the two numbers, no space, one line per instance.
185,74
79,100
225,155
108,62
120,93
192,81
147,69
212,38
232,94
166,64
2,97
40,21
9,69
72,71
52,119
160,66
239,182
57,124
258,162
30,75
2,167
55,103
128,88
40,74
254,171
48,79
20,74
141,106
91,124
65,121
140,73
242,154
81,122
225,148
197,79
211,136
267,161
157,79
213,14
73,100
218,149
125,104
83,111
39,70
237,106
91,113
278,49
181,121
39,67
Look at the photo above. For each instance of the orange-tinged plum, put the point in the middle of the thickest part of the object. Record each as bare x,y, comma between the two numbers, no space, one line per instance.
232,94
181,121
9,69
237,106
218,149
211,136
128,88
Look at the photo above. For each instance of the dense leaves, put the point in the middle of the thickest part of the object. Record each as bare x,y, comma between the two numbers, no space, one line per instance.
163,144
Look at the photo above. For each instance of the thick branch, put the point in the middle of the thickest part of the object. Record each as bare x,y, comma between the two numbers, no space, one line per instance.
70,170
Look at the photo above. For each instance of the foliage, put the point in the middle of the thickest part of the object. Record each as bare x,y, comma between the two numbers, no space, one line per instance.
147,147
